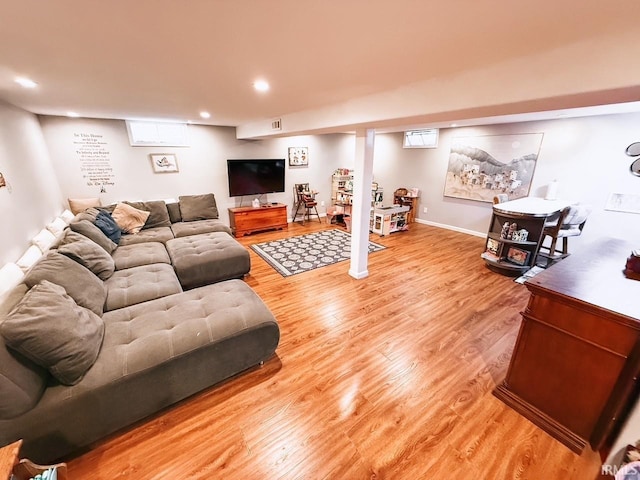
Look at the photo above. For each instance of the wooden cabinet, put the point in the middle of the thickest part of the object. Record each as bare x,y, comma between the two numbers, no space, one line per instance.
409,201
247,220
510,254
575,364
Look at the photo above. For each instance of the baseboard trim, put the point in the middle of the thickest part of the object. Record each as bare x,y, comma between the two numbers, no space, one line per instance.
359,275
451,227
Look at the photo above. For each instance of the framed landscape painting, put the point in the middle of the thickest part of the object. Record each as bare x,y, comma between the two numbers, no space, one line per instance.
482,167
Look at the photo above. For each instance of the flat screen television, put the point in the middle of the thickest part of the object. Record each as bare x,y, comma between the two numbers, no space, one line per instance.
255,176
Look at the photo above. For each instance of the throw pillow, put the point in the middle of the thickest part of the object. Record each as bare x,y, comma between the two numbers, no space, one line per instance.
22,382
105,222
174,212
83,286
158,214
92,232
77,205
28,258
198,207
10,276
57,226
88,254
51,330
129,219
44,239
67,216
88,214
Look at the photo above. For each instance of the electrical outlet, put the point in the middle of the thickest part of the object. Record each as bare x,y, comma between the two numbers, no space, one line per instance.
424,210
322,203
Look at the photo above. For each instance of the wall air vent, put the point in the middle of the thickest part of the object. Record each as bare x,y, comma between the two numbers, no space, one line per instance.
421,138
276,124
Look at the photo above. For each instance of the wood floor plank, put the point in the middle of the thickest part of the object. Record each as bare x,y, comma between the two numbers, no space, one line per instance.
388,377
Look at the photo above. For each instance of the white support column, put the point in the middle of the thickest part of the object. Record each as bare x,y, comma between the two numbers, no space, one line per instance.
360,211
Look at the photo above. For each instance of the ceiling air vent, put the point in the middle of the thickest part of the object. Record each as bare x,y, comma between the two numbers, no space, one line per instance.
276,124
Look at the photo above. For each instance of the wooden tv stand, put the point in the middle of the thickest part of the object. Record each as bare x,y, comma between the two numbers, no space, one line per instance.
247,220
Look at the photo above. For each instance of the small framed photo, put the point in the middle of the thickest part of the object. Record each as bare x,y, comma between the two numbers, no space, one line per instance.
298,156
517,256
164,162
493,246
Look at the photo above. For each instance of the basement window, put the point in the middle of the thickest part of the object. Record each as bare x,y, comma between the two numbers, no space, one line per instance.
421,138
157,134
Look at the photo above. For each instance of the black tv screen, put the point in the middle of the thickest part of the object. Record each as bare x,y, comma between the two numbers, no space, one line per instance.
255,176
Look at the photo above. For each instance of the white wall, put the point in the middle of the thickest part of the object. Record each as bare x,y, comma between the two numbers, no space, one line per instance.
32,198
202,166
586,156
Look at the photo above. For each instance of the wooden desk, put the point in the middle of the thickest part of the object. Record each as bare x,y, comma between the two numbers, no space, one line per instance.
577,356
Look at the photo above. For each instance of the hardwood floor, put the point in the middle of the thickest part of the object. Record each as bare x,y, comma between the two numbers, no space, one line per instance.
389,377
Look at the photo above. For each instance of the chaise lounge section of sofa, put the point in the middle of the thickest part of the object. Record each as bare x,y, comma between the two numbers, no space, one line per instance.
155,344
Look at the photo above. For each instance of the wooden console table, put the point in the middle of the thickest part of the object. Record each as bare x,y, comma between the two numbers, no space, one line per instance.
247,220
576,361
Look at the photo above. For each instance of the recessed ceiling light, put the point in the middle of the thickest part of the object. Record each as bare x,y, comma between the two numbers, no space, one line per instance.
261,85
454,124
205,114
26,82
73,114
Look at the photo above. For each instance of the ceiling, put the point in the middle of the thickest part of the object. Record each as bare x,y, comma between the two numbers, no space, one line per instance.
169,60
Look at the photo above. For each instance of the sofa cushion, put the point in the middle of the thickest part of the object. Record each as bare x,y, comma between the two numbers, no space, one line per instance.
208,258
174,212
139,284
106,223
158,214
50,329
129,219
158,234
147,336
137,254
88,254
198,207
77,205
185,229
89,230
80,284
22,382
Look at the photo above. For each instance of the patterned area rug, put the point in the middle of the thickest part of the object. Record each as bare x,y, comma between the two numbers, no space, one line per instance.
307,252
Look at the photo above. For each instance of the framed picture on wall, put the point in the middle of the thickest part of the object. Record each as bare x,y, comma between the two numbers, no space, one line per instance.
298,156
164,162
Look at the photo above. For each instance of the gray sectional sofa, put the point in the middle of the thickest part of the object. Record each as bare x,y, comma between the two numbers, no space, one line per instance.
99,336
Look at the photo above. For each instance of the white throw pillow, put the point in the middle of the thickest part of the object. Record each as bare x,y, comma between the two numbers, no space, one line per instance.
67,216
10,276
44,240
57,226
31,256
